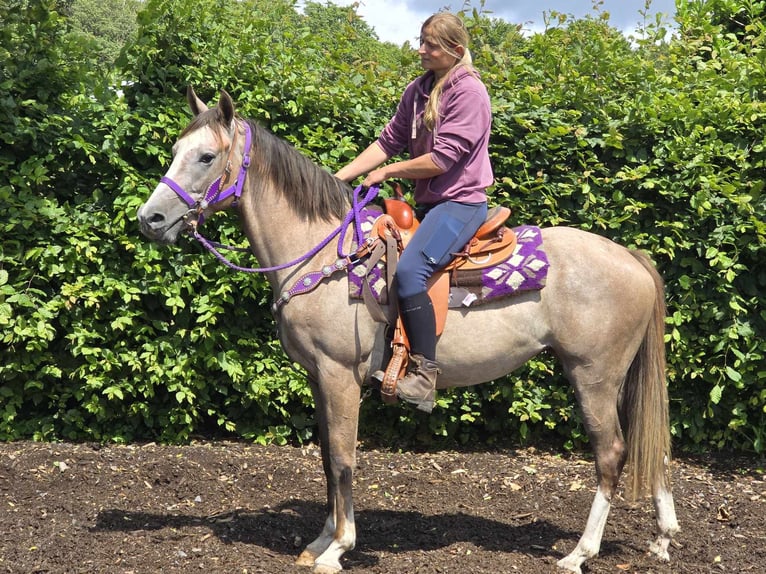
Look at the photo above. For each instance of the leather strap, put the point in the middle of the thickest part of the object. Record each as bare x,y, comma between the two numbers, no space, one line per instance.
388,243
373,307
396,369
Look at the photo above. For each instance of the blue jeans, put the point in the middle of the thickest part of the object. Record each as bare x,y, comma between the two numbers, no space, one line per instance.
445,229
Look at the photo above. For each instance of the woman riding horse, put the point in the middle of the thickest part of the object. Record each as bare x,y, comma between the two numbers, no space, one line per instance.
443,119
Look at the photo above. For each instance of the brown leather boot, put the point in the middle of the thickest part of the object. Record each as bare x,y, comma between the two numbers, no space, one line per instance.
419,385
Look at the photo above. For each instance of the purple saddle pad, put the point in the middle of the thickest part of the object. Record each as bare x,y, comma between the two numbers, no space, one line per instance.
525,270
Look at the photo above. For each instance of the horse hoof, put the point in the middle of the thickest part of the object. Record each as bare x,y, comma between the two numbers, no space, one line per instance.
305,559
325,569
569,565
660,549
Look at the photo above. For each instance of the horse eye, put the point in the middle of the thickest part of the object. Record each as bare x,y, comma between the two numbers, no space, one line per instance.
207,158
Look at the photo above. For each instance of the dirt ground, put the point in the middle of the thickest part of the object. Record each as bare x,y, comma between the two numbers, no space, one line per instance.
238,508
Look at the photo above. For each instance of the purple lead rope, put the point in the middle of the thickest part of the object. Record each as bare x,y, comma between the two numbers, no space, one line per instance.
354,215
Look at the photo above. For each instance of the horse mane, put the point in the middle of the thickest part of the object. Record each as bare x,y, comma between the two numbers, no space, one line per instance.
311,191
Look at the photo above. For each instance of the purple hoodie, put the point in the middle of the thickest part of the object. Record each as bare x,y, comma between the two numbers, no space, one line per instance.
458,144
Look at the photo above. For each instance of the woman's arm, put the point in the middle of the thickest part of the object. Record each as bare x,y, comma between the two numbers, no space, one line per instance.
421,167
368,160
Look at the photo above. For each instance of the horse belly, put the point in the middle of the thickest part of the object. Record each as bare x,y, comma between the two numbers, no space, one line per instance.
486,343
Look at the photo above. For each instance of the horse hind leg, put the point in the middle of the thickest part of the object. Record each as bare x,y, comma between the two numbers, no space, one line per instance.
667,523
609,448
590,541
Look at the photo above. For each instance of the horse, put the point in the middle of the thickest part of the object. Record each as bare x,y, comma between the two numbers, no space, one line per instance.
601,313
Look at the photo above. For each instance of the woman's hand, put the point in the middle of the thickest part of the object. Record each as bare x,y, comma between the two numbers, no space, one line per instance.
365,162
375,177
422,167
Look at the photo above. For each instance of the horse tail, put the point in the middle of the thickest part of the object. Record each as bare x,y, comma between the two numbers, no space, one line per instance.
644,402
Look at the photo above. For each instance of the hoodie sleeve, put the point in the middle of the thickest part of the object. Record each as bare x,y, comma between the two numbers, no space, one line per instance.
395,136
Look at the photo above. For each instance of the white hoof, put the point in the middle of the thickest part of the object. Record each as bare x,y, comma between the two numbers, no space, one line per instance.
326,569
570,565
660,549
306,559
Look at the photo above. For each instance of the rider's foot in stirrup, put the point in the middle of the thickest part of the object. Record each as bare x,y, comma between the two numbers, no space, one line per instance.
419,385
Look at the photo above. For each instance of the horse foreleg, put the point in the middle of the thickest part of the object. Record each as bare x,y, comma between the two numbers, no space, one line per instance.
337,411
666,522
318,546
324,553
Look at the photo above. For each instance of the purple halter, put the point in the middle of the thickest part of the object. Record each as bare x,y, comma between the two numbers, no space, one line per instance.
214,194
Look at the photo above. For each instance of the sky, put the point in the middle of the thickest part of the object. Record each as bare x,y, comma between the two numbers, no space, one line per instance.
398,21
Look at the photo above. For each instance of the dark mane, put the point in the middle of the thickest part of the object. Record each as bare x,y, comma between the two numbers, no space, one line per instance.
313,192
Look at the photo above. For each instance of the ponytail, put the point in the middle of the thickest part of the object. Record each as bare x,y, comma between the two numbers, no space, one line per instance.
431,114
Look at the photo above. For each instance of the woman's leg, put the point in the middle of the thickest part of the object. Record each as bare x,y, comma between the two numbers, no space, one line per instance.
445,230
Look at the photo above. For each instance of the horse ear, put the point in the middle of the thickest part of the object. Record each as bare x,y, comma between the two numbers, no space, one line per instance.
197,106
226,105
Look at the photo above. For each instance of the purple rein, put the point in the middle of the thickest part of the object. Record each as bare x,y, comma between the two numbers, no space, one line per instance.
353,216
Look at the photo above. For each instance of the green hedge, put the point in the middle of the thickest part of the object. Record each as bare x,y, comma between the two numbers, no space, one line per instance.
657,143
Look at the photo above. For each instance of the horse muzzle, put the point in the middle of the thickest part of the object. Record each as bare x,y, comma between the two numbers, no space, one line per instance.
155,225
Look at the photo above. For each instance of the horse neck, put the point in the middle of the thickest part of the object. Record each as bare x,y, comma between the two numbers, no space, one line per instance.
289,205
278,234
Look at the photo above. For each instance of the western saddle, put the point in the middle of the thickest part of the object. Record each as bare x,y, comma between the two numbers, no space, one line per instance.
491,244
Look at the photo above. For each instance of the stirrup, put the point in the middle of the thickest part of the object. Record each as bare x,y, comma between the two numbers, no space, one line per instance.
396,369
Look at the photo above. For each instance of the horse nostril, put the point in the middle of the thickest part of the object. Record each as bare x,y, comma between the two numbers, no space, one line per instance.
155,218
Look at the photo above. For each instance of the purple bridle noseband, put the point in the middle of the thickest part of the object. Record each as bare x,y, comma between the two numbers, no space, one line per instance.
214,194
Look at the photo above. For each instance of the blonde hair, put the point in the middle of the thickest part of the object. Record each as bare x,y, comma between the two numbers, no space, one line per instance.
449,32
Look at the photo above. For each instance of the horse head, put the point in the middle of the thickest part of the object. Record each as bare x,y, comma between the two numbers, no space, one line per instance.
195,184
